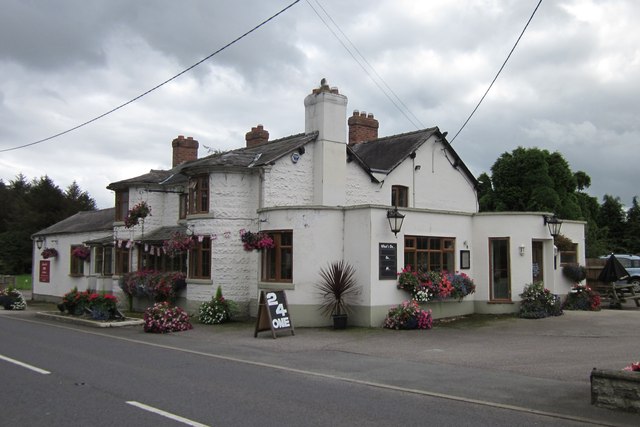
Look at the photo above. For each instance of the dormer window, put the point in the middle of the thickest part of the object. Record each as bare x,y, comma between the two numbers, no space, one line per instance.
199,194
400,196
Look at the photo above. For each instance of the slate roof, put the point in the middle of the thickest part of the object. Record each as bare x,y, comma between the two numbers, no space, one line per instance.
153,177
385,154
259,155
85,221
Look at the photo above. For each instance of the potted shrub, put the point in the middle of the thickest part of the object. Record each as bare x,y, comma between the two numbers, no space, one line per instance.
337,286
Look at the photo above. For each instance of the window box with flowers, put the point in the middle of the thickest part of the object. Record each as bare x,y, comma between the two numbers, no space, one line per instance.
256,241
152,285
435,285
137,213
49,253
81,252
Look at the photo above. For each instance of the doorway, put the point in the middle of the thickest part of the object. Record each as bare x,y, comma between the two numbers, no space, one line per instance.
537,264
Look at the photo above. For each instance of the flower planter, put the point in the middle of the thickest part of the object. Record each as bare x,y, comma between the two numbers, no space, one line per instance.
7,301
616,389
339,321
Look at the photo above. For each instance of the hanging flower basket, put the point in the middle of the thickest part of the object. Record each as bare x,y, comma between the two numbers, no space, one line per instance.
81,252
136,213
178,244
256,241
49,253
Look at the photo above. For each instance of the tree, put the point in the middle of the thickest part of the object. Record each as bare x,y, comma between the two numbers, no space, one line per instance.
632,229
29,207
534,180
612,220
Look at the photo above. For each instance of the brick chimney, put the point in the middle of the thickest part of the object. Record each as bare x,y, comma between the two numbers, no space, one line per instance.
362,127
184,149
256,136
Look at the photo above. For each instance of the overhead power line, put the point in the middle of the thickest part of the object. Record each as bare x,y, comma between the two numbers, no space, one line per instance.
157,86
499,71
366,66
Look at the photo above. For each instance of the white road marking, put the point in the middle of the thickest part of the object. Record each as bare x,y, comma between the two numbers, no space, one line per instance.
166,414
24,365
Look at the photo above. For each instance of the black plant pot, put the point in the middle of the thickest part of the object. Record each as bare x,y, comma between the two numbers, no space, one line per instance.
339,321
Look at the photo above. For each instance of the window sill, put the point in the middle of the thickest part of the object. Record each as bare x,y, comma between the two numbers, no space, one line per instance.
276,286
500,302
76,275
199,281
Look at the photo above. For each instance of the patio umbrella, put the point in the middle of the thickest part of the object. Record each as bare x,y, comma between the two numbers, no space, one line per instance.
612,271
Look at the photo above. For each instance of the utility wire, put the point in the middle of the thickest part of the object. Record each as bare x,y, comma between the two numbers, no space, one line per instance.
499,71
157,86
395,104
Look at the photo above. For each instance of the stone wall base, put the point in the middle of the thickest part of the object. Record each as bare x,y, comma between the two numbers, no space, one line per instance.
616,389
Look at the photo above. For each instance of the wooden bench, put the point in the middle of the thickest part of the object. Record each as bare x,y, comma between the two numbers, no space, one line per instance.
617,293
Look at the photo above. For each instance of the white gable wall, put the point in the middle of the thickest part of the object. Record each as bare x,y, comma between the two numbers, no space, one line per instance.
434,185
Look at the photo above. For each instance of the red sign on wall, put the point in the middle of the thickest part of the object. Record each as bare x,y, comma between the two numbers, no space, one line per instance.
45,269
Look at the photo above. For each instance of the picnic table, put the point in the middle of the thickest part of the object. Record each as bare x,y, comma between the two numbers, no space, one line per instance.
618,292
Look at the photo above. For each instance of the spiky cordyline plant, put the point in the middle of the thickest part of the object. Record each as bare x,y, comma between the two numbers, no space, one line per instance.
338,283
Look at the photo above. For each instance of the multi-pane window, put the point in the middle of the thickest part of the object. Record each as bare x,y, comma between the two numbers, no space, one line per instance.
200,260
76,267
199,194
161,262
569,256
122,259
277,262
430,253
400,196
184,206
122,204
102,260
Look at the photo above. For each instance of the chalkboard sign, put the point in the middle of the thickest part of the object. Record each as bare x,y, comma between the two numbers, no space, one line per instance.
273,313
388,253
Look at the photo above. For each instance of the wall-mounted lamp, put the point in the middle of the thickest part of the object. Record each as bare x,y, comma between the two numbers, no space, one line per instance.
190,229
521,247
417,168
554,225
395,219
39,242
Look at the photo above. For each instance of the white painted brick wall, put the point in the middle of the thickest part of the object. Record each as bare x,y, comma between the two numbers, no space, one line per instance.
288,183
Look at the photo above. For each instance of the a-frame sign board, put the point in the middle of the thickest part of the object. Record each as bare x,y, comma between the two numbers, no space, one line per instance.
273,313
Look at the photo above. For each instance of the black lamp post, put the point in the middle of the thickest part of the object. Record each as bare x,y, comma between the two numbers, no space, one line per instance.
395,219
554,225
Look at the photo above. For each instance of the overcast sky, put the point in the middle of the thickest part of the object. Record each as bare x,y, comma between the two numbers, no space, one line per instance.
572,85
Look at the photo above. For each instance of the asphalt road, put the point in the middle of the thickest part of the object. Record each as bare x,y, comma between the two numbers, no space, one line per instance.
466,374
